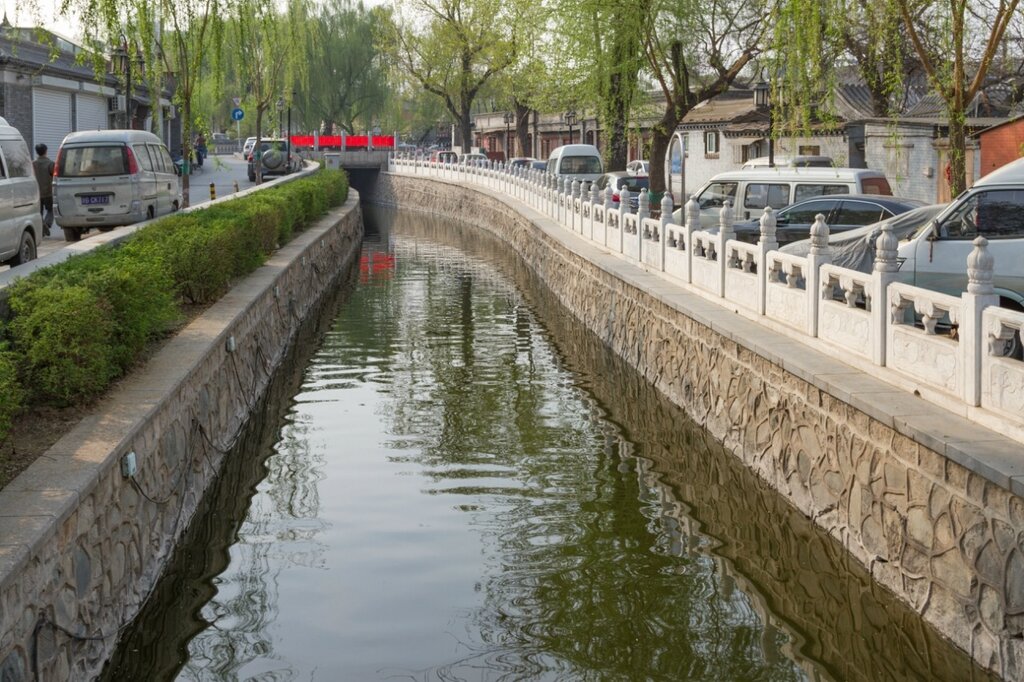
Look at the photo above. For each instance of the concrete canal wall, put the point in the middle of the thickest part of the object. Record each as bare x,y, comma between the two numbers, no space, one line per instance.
81,544
918,495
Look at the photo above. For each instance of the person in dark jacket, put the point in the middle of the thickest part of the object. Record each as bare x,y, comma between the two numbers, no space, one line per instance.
43,168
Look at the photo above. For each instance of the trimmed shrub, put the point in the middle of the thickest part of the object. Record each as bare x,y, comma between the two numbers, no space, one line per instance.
62,335
78,325
11,393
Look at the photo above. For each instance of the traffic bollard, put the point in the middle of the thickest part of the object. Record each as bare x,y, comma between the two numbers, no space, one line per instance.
213,191
236,186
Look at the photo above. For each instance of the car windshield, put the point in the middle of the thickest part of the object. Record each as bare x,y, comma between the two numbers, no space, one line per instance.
267,145
580,165
634,184
92,161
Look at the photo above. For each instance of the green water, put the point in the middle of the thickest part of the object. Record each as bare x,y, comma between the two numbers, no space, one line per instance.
456,482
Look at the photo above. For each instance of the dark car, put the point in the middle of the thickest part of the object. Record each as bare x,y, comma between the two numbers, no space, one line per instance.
276,160
619,179
539,165
842,212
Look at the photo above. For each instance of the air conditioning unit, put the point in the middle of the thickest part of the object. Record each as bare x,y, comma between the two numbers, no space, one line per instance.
116,105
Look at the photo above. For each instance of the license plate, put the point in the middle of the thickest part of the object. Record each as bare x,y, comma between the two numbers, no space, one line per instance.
96,199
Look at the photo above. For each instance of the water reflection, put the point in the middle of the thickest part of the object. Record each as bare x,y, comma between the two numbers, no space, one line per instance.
467,486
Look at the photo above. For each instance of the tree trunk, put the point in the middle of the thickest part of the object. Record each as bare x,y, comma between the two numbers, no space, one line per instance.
186,150
522,129
662,136
257,155
465,129
957,153
618,111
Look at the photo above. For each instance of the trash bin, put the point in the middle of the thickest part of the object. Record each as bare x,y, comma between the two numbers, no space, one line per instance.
332,160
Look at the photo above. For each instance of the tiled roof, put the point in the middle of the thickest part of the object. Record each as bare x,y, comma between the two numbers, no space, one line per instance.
726,108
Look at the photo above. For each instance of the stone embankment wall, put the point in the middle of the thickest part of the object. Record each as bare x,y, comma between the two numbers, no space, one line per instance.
947,540
81,545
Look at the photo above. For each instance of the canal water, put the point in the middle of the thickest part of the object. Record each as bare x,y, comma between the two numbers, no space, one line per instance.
452,480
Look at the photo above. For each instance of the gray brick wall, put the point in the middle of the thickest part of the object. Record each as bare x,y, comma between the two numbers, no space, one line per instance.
17,109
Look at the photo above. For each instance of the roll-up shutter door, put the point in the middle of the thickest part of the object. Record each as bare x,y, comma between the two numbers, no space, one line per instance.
91,112
51,118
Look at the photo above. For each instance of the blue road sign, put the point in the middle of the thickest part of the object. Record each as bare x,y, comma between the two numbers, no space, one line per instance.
237,114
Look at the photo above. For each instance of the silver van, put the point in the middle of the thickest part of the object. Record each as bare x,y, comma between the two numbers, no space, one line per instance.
109,178
577,162
21,225
750,191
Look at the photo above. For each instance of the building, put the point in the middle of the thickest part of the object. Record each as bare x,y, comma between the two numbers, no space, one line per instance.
49,87
1000,144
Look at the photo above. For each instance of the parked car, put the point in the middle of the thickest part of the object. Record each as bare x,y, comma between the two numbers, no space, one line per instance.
444,157
473,159
521,161
750,191
539,165
220,138
935,257
638,167
21,226
275,159
109,178
842,212
855,249
576,161
247,147
616,180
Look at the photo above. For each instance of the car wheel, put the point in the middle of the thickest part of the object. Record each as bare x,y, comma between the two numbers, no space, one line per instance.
26,249
72,234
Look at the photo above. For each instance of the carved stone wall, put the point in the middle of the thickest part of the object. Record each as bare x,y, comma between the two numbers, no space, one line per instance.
946,540
81,545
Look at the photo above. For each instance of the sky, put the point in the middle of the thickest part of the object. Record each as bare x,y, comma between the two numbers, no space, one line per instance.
41,12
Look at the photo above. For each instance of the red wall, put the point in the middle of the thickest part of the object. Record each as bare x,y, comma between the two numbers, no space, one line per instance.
1001,146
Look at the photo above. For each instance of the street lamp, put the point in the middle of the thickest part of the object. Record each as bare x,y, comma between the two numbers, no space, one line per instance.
570,118
121,62
509,117
762,101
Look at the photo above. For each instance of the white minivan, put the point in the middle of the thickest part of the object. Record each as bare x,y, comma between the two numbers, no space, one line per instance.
576,161
750,191
109,178
21,225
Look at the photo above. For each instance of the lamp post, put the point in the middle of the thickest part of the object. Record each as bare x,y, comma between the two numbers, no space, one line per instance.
509,117
280,114
288,137
570,118
121,61
763,102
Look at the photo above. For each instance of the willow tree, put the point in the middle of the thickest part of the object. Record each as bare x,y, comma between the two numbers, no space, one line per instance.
176,38
268,40
603,41
696,50
955,43
452,48
348,79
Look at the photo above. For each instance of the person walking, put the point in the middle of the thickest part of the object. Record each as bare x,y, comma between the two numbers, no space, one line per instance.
200,150
43,168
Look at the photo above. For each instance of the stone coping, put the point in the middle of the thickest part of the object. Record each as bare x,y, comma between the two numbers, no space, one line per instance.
38,501
118,235
981,450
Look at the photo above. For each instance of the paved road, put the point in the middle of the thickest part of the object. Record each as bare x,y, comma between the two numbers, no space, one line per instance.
223,171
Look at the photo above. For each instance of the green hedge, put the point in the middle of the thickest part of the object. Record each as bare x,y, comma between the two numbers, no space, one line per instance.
79,325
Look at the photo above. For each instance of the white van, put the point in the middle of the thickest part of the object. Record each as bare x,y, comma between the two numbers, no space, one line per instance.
935,257
577,161
750,191
109,178
21,225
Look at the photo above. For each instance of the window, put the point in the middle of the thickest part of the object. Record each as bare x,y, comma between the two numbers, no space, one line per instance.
711,142
809,150
760,195
19,165
145,160
804,215
876,186
168,162
716,194
859,213
579,165
998,214
811,191
634,184
93,161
